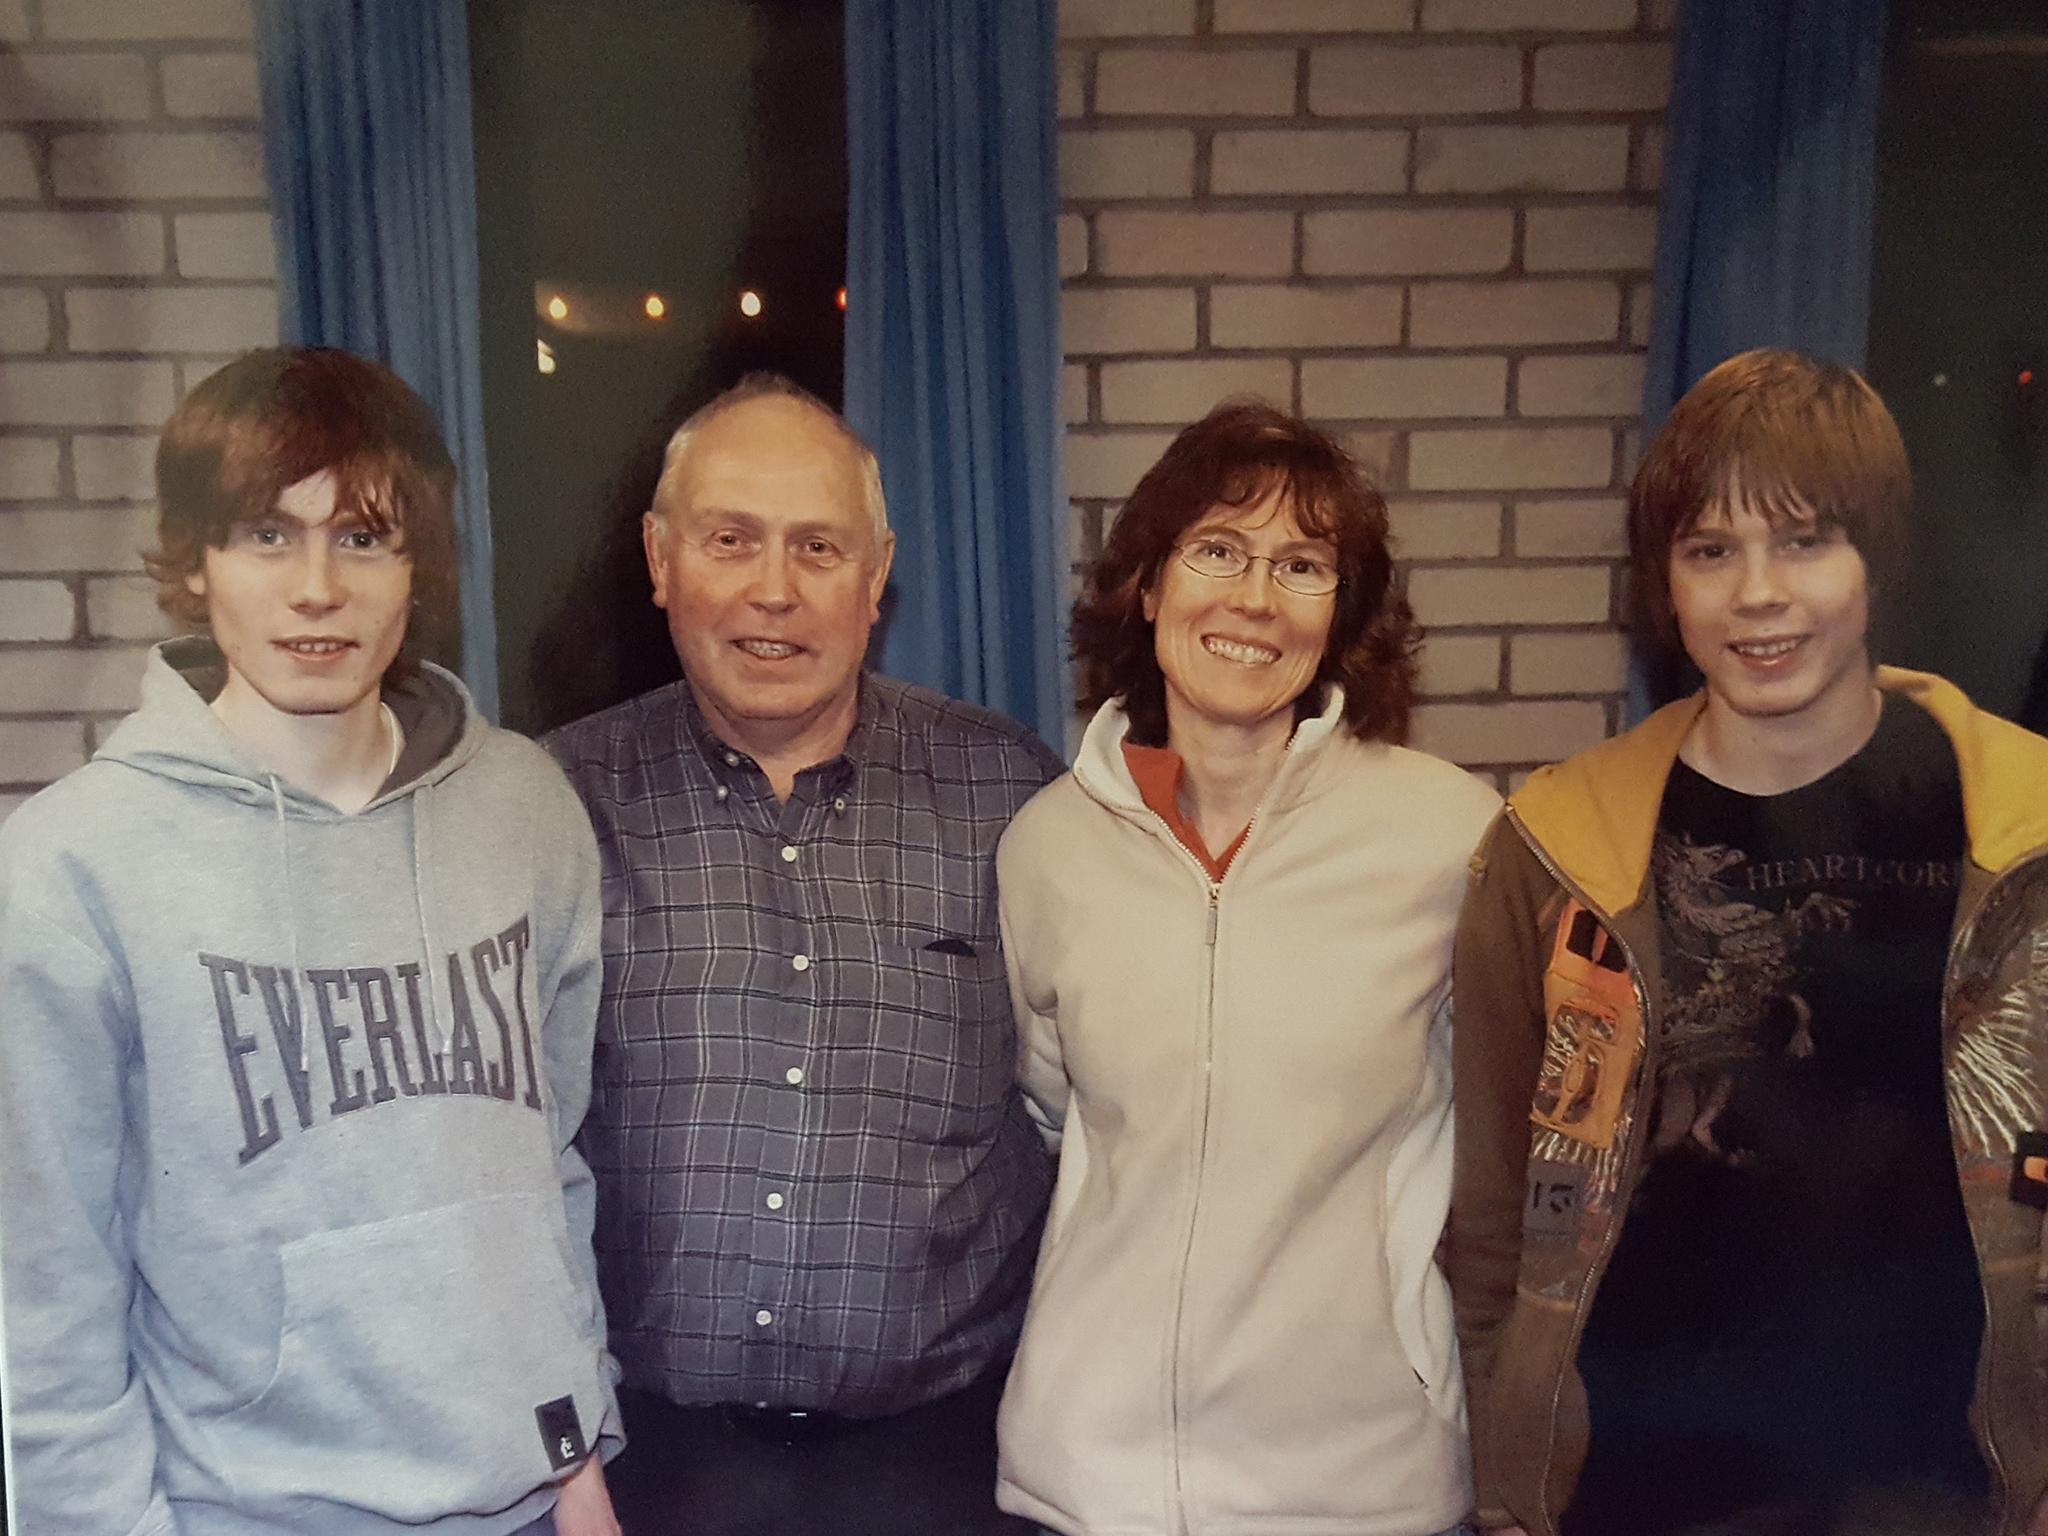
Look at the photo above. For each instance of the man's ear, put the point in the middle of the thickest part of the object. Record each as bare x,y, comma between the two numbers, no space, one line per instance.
654,539
1148,603
879,580
195,581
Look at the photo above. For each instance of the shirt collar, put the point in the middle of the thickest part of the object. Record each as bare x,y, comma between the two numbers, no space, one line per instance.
728,764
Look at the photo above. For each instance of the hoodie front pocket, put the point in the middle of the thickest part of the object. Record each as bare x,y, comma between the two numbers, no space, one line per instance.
413,1356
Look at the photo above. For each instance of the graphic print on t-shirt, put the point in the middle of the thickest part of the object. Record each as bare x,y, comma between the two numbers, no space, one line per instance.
1732,982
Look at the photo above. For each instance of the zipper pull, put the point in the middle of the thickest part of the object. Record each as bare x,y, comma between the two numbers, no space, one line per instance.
1215,891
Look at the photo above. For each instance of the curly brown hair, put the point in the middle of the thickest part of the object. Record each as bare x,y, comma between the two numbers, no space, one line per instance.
1233,457
268,420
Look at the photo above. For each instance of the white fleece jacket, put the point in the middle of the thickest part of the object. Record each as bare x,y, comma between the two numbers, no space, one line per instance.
1237,1324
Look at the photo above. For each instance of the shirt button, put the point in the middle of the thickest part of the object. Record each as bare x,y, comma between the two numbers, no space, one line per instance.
800,962
732,759
839,805
793,1076
788,854
775,1202
763,1318
720,792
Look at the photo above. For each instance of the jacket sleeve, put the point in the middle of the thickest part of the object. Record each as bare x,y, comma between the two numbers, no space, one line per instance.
1041,1071
568,1034
84,1439
1496,1053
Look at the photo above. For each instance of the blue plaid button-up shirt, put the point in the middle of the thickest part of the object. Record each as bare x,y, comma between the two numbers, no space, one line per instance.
817,1184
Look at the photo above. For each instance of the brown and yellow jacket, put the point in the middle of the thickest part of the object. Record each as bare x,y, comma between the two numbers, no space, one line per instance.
1556,1034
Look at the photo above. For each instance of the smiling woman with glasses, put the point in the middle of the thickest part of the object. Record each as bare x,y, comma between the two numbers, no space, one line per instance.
1228,932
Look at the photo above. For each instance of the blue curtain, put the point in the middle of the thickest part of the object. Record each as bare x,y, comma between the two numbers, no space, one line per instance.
366,119
1764,227
952,339
1763,235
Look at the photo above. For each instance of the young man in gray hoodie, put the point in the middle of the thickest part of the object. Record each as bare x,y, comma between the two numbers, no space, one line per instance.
297,986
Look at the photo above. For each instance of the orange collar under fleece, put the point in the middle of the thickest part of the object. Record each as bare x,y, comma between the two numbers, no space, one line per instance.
1596,814
1157,773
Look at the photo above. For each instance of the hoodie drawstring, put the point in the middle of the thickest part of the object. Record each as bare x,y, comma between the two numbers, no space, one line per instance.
422,901
291,916
423,905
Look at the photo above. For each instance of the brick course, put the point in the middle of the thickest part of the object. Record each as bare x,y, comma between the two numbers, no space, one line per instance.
1428,224
135,257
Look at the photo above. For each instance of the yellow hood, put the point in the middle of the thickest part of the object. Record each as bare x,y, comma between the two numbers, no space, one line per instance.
1596,813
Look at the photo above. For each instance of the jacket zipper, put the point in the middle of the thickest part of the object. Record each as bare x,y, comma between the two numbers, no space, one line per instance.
1624,1174
1958,942
1187,1254
1180,1298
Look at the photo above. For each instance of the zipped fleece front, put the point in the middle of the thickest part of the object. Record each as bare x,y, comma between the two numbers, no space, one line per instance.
292,1236
1237,1324
1560,928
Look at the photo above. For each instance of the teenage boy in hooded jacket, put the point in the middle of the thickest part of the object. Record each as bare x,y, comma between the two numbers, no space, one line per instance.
1751,1057
297,985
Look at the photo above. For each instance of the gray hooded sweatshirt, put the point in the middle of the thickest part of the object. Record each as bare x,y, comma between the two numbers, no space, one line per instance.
292,1236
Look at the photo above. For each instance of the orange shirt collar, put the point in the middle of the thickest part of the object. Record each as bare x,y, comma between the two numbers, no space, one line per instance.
1157,772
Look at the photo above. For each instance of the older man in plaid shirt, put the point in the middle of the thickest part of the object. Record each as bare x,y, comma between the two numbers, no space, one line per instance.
819,1193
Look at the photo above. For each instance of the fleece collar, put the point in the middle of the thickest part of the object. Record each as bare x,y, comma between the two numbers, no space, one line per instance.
1100,769
1596,814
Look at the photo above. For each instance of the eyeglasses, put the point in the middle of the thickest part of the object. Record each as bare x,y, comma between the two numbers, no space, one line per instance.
1303,575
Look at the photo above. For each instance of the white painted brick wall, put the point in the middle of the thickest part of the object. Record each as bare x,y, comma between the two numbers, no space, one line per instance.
37,610
1300,317
1610,237
1394,80
1407,241
135,257
1571,528
1314,15
1445,530
24,320
1178,392
1528,15
1125,18
28,468
1127,162
1567,663
1159,81
1603,77
1426,223
211,85
1104,320
1261,162
1395,387
1585,158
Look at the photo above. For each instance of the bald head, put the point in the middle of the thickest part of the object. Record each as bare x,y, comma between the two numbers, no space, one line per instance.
773,403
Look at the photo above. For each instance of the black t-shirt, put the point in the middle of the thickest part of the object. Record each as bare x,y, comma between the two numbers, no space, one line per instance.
1792,1310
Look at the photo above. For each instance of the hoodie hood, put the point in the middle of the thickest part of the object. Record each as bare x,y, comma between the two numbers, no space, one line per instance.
1596,814
176,735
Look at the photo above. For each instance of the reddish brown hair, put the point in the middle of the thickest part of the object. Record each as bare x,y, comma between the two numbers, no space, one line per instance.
1787,434
1231,458
268,420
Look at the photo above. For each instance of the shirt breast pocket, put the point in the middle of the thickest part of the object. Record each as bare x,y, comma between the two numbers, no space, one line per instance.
943,1033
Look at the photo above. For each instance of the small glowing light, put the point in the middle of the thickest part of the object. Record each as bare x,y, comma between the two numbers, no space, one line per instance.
2026,378
750,303
655,307
545,359
841,301
558,308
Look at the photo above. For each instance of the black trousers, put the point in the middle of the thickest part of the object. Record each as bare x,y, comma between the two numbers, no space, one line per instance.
930,1471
